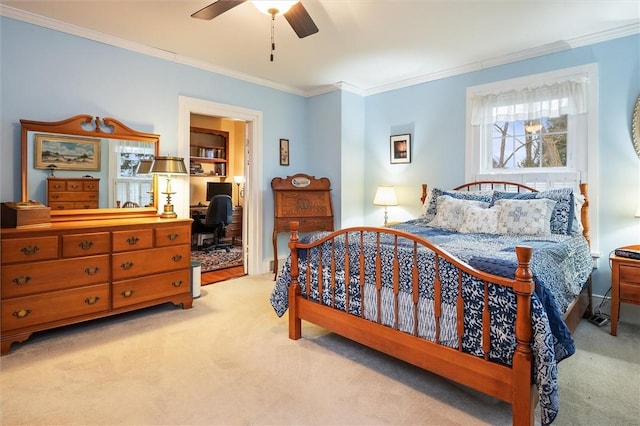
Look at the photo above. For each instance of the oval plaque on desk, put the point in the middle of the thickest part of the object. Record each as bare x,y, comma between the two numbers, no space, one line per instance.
300,182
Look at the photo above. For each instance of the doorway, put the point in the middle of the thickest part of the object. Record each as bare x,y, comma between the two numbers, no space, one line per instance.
252,167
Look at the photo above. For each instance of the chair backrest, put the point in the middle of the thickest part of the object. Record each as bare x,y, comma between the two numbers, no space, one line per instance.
220,210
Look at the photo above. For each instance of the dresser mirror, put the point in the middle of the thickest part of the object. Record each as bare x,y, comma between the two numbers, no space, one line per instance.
93,152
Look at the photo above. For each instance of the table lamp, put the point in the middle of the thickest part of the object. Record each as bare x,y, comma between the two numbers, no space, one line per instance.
168,166
385,196
144,168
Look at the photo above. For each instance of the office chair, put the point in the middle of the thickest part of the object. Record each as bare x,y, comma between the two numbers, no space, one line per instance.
219,215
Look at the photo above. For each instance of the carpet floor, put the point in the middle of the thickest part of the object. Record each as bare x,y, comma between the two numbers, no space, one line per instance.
228,361
218,259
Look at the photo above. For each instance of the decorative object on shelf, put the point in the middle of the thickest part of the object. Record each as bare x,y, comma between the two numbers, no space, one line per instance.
635,127
168,166
385,196
52,168
400,149
284,152
66,152
239,180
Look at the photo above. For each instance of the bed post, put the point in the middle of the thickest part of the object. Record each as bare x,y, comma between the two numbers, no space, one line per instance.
524,397
295,324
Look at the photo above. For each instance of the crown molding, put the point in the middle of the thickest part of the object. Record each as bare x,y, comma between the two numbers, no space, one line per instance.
555,47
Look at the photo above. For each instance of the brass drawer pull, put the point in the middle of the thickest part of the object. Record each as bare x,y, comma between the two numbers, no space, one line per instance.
177,258
177,283
91,196
55,196
22,313
22,280
126,265
57,186
91,300
127,293
133,240
92,271
29,250
75,186
172,236
85,245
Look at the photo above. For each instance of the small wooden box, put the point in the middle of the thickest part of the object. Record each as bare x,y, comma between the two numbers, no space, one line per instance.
23,213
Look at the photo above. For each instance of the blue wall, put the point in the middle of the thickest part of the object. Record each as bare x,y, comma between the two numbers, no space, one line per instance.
48,75
434,113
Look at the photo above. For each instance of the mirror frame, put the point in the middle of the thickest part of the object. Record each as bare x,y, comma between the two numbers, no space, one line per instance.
77,125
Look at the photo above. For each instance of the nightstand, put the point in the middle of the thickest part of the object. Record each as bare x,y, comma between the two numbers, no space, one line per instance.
625,284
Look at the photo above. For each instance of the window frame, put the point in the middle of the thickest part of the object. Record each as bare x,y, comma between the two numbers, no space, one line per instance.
584,165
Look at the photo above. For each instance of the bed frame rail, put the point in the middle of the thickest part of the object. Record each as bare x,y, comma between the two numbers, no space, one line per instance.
512,384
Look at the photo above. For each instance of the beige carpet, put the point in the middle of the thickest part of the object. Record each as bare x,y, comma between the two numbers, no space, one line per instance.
229,361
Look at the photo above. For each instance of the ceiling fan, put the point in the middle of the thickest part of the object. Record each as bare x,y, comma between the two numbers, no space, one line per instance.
293,11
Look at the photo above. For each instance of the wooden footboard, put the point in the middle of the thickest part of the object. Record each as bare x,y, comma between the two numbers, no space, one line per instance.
513,384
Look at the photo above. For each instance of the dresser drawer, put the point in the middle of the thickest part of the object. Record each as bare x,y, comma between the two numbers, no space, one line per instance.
29,249
630,274
153,261
25,279
131,292
40,309
56,185
173,236
62,205
307,225
60,197
90,186
75,245
136,239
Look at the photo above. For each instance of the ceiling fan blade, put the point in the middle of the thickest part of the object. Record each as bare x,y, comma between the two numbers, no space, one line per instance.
216,8
301,21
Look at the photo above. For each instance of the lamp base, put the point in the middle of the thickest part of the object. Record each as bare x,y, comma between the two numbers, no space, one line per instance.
168,212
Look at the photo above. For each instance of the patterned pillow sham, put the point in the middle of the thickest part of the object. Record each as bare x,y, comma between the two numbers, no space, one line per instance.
480,220
525,217
430,207
561,221
450,212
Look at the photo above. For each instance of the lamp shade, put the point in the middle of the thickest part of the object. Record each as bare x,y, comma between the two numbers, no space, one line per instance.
238,179
169,166
385,196
144,167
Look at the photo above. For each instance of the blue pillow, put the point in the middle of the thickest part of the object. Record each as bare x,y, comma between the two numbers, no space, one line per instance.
432,207
563,212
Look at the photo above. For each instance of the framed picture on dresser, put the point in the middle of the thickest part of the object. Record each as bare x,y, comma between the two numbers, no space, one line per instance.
66,152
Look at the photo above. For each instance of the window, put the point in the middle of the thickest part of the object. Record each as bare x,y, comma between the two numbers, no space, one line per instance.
126,184
539,130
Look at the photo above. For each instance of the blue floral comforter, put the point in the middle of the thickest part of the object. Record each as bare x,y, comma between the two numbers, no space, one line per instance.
561,265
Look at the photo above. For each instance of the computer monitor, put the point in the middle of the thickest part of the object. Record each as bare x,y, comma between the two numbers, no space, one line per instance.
216,188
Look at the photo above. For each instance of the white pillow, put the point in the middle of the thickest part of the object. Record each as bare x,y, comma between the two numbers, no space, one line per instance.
480,220
450,213
525,217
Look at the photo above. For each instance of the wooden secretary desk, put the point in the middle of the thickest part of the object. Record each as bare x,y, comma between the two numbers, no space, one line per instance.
304,199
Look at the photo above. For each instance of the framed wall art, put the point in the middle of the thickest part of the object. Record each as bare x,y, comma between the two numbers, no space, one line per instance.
66,152
284,152
400,147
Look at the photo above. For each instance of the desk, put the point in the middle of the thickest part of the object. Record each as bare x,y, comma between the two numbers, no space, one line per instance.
233,230
304,199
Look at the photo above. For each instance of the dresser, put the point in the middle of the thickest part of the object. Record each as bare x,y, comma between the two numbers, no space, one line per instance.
304,199
73,271
625,284
234,229
72,193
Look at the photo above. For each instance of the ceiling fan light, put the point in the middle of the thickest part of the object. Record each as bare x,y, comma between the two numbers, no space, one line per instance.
273,8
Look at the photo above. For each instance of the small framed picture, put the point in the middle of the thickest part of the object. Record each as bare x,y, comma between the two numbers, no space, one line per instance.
400,149
284,152
66,152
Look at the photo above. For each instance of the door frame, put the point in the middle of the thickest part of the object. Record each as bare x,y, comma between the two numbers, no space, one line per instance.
252,232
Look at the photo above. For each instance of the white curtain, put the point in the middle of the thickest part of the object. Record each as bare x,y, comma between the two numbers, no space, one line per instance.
566,97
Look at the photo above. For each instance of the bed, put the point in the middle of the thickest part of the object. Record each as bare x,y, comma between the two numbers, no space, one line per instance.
484,288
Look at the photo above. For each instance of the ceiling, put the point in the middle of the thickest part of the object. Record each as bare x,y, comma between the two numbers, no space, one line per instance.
368,46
